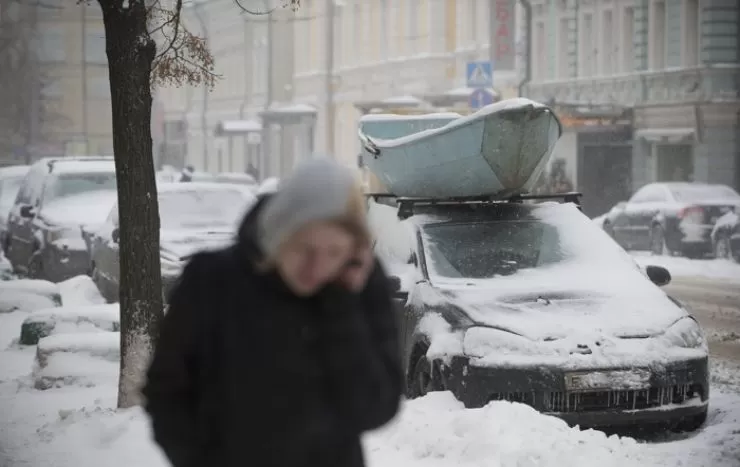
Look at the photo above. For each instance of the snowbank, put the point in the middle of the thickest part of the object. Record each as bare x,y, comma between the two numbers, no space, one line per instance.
88,358
32,286
724,269
11,301
80,291
66,320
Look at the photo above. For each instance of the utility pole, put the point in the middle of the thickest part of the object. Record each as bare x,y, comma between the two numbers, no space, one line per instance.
329,104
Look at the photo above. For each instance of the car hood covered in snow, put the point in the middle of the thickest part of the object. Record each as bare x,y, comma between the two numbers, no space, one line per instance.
178,245
89,208
551,311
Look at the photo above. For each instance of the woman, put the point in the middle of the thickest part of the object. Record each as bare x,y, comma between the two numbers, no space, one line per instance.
283,349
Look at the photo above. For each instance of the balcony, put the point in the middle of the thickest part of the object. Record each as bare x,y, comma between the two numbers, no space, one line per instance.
708,84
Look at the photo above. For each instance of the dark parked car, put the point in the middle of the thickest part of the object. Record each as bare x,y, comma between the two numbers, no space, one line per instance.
512,301
56,199
726,236
193,216
10,181
674,217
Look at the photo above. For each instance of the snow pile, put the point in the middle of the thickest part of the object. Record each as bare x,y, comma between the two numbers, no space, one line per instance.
66,320
28,295
80,291
86,359
728,221
269,185
722,269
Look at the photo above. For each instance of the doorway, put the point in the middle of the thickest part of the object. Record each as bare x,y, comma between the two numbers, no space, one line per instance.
674,162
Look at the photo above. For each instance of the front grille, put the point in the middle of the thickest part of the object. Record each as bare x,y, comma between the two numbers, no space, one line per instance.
596,401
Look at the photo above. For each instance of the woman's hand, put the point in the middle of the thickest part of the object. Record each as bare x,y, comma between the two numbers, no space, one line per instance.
357,272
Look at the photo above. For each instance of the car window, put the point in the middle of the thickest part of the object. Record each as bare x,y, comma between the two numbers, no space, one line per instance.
699,193
649,194
63,185
489,249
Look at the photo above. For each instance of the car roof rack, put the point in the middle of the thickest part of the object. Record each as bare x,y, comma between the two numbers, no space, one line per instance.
406,204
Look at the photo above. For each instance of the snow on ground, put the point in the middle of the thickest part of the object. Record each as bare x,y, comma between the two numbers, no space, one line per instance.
679,266
75,425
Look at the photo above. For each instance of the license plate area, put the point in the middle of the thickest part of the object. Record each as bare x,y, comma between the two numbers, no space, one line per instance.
617,380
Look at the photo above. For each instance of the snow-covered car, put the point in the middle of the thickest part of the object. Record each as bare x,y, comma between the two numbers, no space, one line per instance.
56,199
726,236
10,181
193,216
534,303
673,217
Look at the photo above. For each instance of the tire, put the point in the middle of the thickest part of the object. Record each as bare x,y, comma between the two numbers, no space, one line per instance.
690,424
657,241
425,378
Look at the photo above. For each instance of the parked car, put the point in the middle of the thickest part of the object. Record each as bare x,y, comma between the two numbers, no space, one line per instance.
673,217
57,197
726,236
193,216
10,181
512,301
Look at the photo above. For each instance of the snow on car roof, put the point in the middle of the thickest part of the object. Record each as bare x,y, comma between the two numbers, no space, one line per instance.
14,171
179,187
72,166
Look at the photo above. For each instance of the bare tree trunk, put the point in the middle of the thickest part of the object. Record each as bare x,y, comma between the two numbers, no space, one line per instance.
130,55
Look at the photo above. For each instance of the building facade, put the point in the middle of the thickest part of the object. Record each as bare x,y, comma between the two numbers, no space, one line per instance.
75,91
648,90
295,83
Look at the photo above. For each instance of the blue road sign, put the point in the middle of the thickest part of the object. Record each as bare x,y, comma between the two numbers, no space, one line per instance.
480,97
479,75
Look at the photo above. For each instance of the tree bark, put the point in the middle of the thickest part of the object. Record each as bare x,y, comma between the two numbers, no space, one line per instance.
130,53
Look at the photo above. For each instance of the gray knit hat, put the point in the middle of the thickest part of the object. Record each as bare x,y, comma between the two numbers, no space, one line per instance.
317,189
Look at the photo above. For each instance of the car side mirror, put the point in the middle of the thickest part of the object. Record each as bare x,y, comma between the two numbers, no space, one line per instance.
659,275
114,235
27,211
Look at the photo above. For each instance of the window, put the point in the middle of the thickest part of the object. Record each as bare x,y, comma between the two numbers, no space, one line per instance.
628,45
657,32
649,194
587,46
259,57
691,33
61,186
563,62
607,44
51,88
95,48
412,26
540,52
384,30
51,44
98,87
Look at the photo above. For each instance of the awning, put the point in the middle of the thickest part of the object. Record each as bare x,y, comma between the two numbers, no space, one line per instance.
395,102
237,127
666,135
294,113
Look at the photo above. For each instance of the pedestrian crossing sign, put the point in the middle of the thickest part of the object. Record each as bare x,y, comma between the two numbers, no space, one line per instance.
479,75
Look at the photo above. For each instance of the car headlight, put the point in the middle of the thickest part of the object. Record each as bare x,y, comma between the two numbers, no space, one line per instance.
482,341
686,333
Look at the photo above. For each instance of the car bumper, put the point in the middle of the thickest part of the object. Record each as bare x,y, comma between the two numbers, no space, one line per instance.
674,392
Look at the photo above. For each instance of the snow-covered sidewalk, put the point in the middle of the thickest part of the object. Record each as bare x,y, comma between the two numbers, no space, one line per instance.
76,425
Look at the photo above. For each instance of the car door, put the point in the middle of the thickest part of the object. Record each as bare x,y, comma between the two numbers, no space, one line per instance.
20,227
634,229
654,200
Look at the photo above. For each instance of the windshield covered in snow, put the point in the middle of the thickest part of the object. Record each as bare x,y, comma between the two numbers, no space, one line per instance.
200,209
69,184
699,193
489,249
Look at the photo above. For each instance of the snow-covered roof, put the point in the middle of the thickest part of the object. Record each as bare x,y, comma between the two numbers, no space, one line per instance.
293,109
13,171
403,100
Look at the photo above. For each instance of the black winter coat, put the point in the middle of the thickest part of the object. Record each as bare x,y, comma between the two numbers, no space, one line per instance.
247,374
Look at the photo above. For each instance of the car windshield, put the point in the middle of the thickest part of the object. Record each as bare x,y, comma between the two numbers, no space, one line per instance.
488,249
9,190
200,209
64,185
699,193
